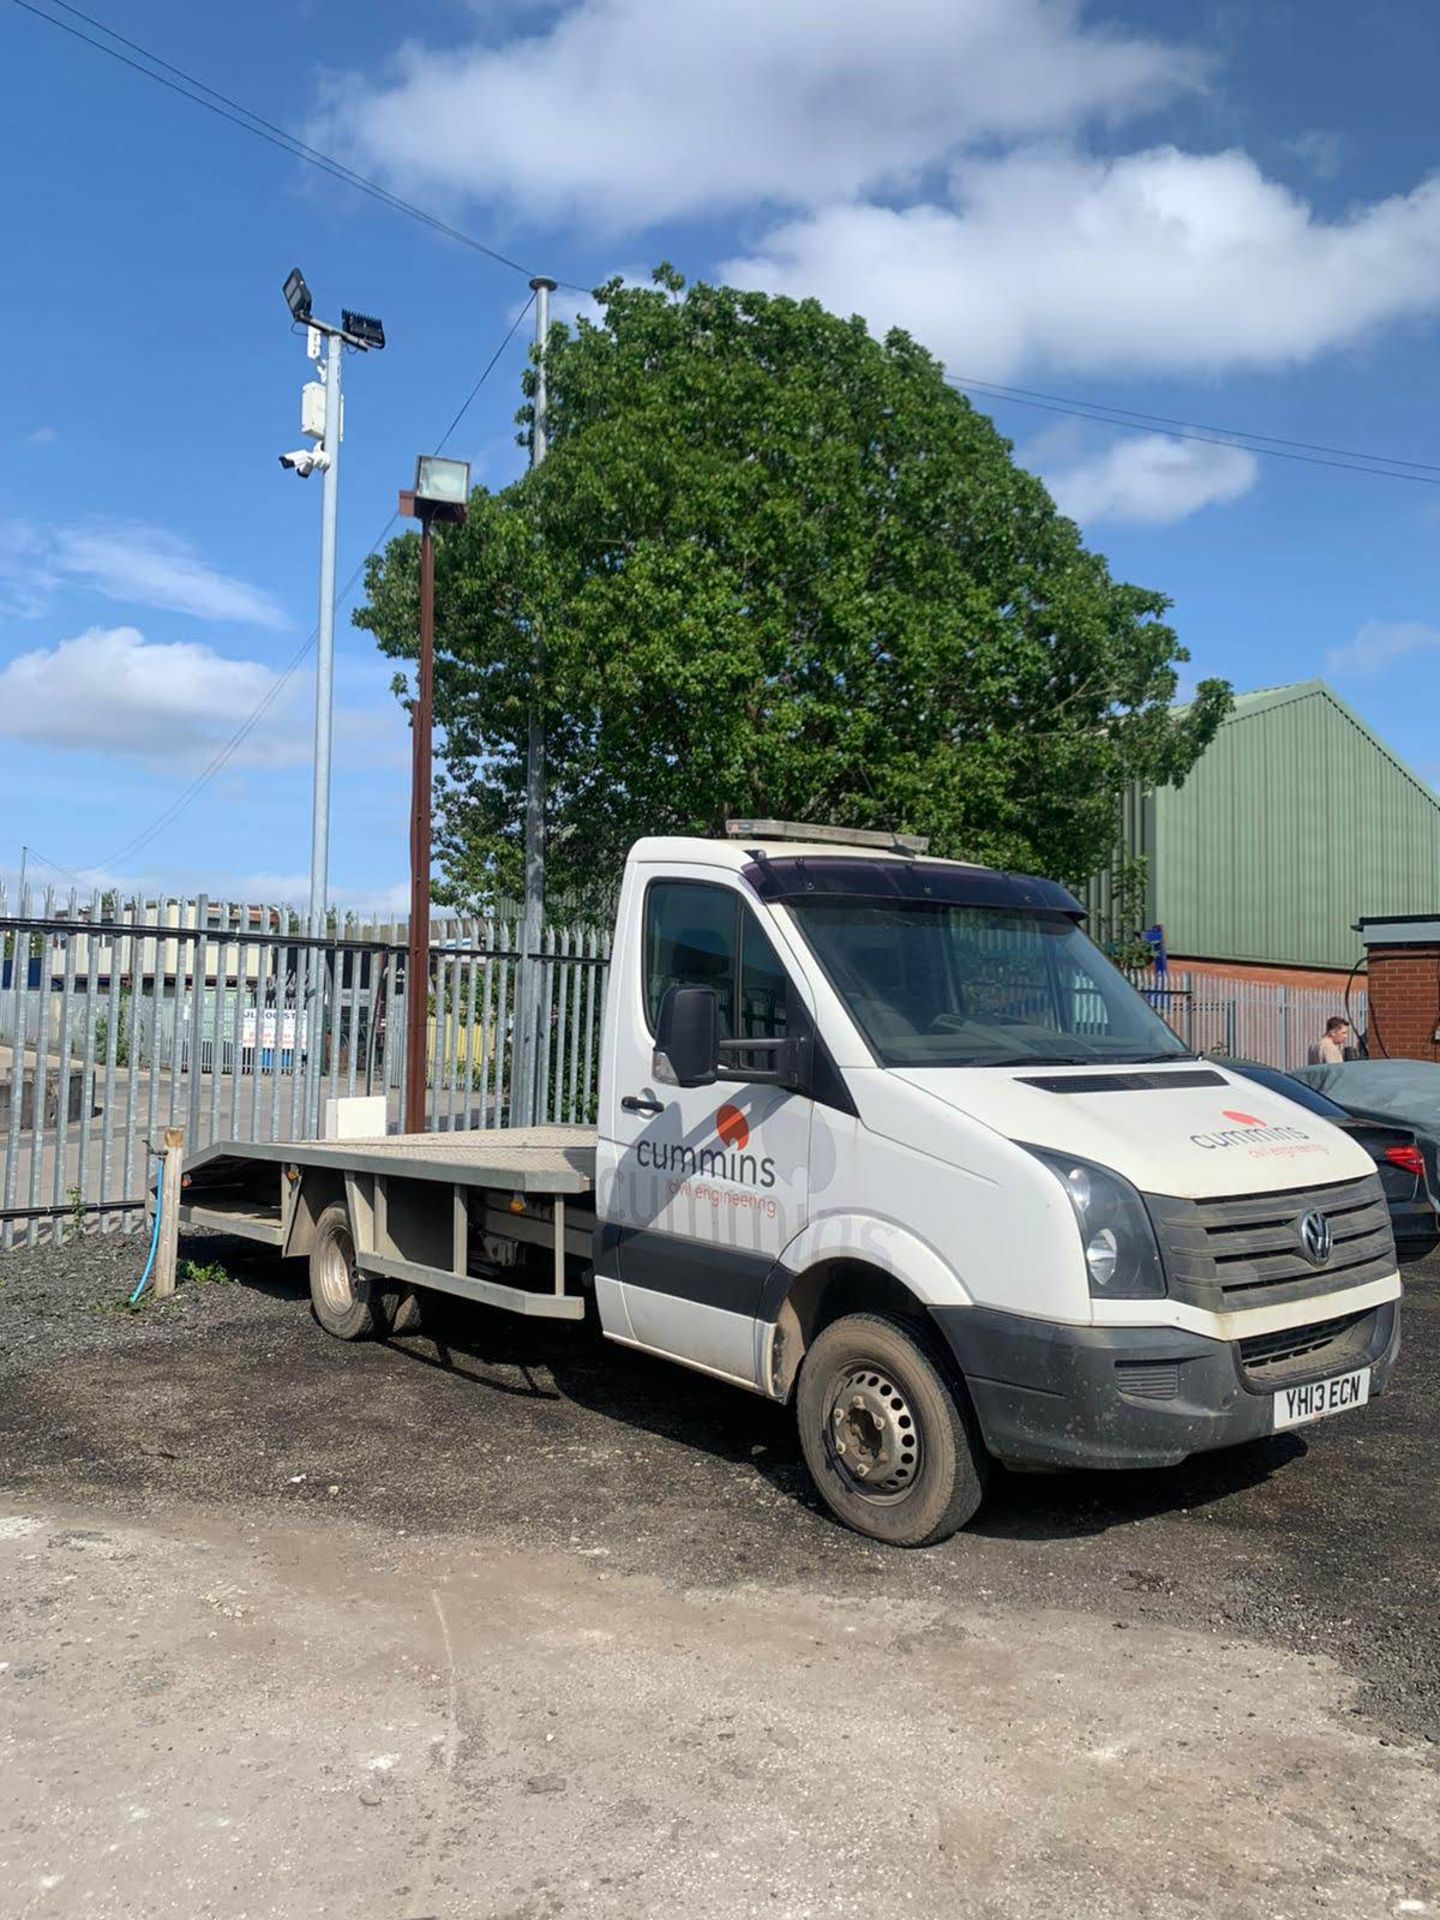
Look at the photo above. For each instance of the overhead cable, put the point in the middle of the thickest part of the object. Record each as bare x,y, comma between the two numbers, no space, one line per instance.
1384,466
202,95
237,739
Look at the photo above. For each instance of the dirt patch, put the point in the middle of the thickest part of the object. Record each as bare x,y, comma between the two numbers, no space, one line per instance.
317,1718
506,1621
1325,1542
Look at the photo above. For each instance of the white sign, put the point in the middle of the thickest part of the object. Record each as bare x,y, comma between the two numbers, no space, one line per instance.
264,1024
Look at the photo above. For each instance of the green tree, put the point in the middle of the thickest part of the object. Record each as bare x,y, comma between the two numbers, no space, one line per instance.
780,568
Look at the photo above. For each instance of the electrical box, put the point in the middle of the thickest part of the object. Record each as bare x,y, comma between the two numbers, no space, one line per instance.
312,409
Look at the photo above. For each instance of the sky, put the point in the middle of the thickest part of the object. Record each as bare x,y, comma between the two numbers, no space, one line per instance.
1219,214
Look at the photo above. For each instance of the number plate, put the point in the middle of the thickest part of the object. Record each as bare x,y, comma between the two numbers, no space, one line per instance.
1297,1406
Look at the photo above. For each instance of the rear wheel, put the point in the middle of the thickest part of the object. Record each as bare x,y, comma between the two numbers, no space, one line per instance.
887,1438
346,1303
409,1311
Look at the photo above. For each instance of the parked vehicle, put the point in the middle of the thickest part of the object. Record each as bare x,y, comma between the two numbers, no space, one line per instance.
889,1139
1396,1151
1403,1092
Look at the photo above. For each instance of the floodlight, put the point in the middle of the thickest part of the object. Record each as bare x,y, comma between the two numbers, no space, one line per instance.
362,327
297,295
441,482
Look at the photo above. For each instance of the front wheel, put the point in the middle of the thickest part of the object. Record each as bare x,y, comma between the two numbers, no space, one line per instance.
885,1435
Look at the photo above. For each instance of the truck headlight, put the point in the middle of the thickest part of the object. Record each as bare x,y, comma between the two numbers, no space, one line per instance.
1122,1260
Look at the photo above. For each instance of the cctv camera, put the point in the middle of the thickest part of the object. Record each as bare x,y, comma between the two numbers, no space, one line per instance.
306,460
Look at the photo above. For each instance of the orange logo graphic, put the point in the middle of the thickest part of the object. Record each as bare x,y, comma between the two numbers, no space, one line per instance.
1241,1119
731,1126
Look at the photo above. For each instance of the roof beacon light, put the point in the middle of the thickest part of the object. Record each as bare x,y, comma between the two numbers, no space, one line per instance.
829,836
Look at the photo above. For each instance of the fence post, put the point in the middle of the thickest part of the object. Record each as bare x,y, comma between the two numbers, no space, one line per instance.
195,1031
168,1246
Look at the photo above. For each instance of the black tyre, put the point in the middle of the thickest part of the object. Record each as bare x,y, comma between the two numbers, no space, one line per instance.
409,1310
888,1439
346,1303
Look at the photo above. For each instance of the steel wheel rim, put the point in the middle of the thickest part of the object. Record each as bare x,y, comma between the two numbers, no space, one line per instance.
337,1271
872,1434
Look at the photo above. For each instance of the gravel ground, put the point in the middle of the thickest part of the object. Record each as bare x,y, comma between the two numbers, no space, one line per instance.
513,1624
60,1301
1324,1542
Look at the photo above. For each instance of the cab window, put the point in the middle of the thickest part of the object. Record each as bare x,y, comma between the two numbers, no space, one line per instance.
698,935
764,988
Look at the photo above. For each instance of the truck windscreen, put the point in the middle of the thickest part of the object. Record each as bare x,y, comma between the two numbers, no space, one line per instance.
937,985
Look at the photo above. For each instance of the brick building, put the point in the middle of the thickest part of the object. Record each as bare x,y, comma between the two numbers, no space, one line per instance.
1404,985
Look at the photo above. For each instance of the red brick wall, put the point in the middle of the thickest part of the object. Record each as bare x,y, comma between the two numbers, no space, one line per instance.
1322,978
1404,1002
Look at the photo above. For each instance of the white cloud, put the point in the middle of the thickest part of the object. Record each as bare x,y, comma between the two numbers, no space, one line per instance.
1157,261
919,162
627,112
151,568
1379,643
41,437
374,901
1153,479
129,562
1320,150
110,690
569,307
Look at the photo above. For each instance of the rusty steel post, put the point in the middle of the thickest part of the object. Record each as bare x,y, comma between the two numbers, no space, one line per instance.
417,972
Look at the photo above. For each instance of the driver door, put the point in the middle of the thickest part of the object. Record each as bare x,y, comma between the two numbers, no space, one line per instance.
710,1182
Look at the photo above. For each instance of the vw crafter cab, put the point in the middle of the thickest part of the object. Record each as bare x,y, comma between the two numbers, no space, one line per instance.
888,1135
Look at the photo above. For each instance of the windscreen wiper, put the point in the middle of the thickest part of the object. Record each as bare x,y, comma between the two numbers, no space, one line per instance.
1148,1059
1041,1060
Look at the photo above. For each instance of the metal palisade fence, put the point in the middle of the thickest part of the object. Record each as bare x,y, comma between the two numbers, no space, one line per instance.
120,1018
1249,1019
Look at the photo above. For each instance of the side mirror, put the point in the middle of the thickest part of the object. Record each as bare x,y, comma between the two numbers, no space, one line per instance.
687,1037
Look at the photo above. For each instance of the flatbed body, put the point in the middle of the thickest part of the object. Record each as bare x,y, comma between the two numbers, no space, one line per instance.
476,1214
550,1159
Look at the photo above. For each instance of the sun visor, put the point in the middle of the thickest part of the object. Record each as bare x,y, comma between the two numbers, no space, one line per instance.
892,882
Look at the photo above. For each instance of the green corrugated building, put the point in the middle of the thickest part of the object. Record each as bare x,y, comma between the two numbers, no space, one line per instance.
1296,820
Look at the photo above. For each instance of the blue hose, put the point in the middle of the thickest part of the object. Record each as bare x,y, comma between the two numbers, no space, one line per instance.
155,1232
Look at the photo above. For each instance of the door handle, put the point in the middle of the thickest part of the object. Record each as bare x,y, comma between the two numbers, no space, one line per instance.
641,1103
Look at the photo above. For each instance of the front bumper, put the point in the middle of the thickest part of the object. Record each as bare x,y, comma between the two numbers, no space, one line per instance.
1058,1396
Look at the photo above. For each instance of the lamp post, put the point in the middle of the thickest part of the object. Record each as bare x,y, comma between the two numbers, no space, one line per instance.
441,490
322,421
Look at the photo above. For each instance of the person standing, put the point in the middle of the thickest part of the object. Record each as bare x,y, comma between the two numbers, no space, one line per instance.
1329,1049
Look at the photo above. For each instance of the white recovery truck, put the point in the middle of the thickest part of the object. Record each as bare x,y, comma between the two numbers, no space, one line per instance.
888,1137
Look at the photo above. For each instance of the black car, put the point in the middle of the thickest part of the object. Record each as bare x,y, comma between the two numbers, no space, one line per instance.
1397,1093
1394,1149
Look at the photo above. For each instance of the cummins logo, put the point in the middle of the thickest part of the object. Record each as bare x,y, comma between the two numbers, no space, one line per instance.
1247,1132
728,1161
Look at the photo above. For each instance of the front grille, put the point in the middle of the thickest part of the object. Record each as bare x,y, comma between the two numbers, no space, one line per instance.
1245,1252
1307,1352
